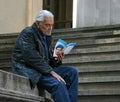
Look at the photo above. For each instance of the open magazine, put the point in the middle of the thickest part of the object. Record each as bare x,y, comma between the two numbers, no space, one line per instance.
62,45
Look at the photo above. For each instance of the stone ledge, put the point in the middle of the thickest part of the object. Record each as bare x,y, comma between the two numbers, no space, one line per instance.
15,82
18,96
17,88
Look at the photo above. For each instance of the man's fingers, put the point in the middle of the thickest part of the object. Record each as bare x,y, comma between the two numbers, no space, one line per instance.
60,55
58,77
61,79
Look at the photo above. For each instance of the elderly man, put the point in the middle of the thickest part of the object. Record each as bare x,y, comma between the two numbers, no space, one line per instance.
33,58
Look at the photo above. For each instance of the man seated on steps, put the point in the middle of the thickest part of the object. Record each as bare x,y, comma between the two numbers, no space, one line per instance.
32,57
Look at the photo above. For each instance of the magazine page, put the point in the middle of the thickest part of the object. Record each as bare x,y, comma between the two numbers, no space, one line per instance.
63,46
69,48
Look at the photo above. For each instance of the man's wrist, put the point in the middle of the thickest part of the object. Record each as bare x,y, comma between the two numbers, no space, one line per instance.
52,72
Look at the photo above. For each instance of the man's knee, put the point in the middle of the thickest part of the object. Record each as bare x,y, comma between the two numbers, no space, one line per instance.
74,71
59,86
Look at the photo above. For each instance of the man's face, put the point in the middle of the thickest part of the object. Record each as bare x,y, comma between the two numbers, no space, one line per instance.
47,26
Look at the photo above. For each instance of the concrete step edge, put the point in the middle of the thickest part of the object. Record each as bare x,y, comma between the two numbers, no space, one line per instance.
96,69
98,92
85,60
99,79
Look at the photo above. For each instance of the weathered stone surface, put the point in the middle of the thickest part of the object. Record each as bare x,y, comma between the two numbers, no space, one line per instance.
97,13
15,88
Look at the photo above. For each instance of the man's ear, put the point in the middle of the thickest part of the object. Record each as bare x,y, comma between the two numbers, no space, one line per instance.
37,23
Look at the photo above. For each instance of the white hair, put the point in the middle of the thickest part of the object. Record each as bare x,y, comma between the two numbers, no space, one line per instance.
42,14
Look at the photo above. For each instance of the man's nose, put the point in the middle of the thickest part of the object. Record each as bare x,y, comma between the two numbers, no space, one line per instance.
50,27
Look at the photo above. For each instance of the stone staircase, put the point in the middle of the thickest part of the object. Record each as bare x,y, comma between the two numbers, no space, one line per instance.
96,56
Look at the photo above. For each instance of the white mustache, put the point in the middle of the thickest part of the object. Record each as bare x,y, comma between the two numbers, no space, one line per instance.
48,32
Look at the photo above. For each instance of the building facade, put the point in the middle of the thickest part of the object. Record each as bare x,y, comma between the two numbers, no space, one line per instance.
17,14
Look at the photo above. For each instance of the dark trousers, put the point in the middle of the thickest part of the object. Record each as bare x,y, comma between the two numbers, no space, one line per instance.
62,92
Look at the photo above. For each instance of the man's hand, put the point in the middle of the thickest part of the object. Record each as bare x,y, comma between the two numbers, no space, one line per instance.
54,74
60,54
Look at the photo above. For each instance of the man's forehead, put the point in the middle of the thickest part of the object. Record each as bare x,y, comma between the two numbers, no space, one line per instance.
48,20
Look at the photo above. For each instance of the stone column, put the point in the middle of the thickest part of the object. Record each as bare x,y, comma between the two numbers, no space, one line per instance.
17,14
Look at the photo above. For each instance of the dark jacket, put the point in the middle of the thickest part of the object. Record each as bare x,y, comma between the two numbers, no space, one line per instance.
29,57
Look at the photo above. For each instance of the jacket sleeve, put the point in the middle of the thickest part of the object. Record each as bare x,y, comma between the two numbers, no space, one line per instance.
31,55
54,63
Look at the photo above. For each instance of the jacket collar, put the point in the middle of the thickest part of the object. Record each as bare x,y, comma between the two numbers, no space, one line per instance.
40,34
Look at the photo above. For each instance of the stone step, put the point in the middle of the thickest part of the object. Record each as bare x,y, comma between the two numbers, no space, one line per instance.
99,85
7,41
6,47
8,35
99,79
88,31
84,56
99,92
89,41
81,36
91,48
103,69
92,58
99,98
6,66
98,49
5,56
